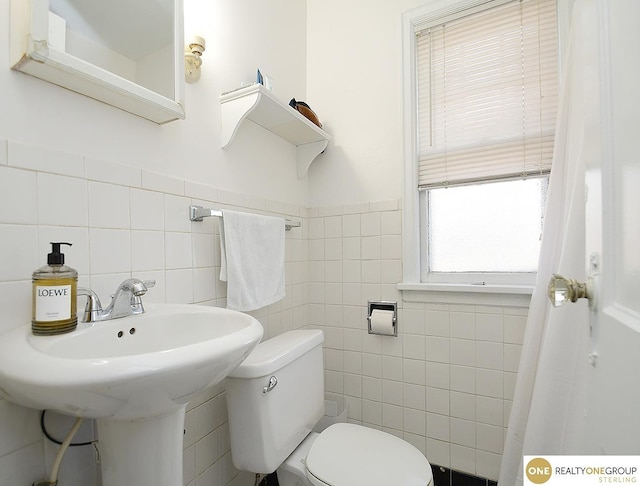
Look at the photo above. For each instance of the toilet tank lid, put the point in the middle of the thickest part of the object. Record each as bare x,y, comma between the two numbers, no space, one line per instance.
271,355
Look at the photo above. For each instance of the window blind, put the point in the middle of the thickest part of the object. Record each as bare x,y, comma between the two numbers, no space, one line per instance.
487,95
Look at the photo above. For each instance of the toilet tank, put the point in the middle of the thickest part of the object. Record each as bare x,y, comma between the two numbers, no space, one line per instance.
267,424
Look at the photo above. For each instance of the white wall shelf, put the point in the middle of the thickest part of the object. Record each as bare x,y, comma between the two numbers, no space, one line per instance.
257,104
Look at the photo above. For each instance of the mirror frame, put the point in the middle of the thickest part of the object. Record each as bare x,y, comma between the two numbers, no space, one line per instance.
32,53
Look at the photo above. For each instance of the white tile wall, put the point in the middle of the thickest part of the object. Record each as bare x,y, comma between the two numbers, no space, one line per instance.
445,384
126,222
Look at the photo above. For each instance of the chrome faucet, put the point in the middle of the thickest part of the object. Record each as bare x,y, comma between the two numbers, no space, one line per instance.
127,301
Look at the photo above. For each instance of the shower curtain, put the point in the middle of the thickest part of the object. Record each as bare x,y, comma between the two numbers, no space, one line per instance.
547,412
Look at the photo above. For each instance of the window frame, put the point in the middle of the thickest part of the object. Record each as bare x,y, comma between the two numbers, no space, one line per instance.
414,223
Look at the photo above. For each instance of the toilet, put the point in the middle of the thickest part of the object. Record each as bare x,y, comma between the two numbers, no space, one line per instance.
275,398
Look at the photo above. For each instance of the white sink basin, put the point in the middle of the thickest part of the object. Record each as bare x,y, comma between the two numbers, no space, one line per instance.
127,371
127,368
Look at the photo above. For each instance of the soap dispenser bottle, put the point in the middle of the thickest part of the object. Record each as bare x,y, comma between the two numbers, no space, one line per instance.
55,289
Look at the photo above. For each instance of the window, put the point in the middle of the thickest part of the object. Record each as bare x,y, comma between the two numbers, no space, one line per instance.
482,117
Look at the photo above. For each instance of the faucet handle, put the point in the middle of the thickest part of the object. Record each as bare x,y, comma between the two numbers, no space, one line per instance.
136,286
93,308
136,297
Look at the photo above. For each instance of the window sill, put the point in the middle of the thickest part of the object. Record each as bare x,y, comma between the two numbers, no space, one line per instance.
502,295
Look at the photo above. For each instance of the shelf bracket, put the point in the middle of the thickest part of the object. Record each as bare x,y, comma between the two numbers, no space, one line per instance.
307,153
233,114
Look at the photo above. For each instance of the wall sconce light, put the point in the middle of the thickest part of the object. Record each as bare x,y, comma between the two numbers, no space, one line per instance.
193,59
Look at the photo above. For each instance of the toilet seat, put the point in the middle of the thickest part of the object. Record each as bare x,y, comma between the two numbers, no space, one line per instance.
349,454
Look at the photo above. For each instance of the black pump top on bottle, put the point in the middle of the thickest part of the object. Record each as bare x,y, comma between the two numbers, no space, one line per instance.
55,257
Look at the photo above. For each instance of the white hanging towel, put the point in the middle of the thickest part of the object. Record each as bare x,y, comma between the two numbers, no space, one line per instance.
252,259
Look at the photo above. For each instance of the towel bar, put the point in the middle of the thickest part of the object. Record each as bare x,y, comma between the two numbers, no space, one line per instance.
197,213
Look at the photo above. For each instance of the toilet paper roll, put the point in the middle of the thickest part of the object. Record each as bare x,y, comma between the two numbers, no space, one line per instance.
382,322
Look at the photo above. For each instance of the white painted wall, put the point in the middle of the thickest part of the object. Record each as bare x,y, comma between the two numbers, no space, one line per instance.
118,187
241,36
354,83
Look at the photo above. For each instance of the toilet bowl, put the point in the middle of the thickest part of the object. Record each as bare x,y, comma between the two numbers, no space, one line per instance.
274,399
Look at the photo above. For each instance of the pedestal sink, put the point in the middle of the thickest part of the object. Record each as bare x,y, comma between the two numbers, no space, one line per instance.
135,375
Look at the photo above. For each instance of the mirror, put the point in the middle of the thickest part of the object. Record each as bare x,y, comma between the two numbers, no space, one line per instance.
127,54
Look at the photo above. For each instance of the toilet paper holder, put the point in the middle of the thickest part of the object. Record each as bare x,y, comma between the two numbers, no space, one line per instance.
386,305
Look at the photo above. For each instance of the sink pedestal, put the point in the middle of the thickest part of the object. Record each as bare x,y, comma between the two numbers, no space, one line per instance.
142,452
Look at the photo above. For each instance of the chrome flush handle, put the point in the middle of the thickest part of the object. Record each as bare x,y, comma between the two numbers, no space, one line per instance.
273,381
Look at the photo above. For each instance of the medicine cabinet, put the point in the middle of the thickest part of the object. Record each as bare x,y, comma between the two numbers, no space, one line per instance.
257,104
123,53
